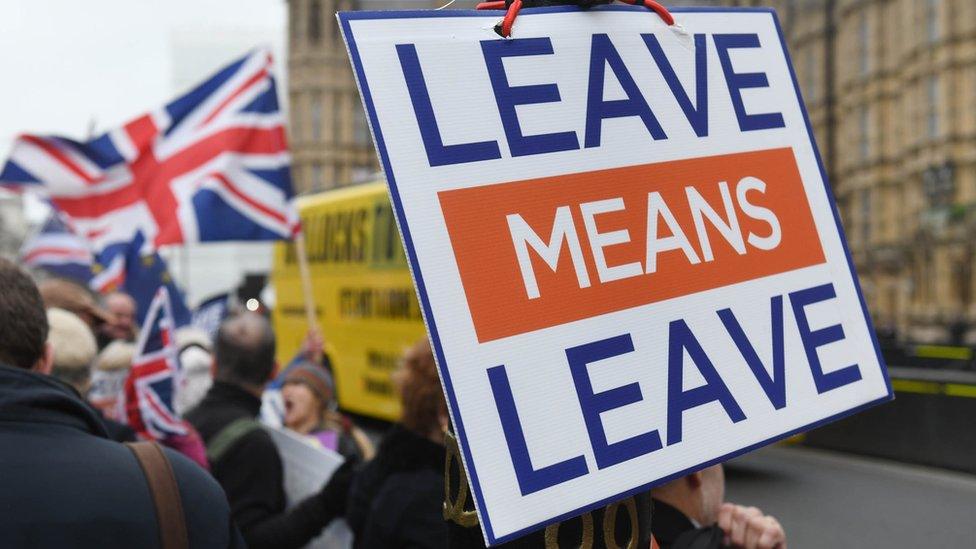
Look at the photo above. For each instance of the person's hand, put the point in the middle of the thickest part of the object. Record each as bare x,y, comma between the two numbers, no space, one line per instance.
313,344
334,494
749,528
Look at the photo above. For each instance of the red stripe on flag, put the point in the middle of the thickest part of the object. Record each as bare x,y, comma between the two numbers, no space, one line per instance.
63,253
15,188
60,157
141,132
161,411
94,234
110,284
97,205
234,140
257,77
150,176
277,216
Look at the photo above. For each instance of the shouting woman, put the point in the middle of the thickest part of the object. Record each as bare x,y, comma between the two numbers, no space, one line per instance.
310,409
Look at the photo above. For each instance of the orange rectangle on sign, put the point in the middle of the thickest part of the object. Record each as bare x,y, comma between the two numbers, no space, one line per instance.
542,252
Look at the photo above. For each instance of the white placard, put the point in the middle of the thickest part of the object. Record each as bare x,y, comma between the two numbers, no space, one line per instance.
629,260
307,469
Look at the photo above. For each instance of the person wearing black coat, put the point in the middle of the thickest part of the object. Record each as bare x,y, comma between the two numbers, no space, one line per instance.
243,457
117,431
63,483
396,500
66,484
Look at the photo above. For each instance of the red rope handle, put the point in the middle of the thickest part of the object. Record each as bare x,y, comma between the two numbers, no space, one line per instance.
660,10
504,28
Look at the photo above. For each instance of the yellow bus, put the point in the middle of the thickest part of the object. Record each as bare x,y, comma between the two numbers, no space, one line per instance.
365,300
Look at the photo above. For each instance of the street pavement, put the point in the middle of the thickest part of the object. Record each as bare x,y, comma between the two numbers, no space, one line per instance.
826,500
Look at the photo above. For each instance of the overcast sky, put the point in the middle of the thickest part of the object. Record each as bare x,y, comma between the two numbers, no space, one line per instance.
67,64
70,67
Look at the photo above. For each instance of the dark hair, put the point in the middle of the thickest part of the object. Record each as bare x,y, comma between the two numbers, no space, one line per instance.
244,350
23,321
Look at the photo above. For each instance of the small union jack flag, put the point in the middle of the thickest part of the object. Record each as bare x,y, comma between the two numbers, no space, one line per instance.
150,387
58,250
212,165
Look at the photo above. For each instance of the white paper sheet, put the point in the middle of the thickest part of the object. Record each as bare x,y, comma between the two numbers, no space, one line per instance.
307,469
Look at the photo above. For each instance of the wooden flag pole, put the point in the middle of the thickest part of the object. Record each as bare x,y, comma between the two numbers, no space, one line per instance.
303,270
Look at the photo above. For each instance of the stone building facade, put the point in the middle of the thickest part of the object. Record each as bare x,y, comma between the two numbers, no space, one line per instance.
329,136
891,90
328,131
890,86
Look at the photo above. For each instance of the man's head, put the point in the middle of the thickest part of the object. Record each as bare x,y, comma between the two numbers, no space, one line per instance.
244,351
698,495
123,308
23,323
74,348
74,298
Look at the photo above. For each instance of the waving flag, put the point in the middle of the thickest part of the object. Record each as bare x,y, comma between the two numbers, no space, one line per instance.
212,165
151,383
209,314
58,250
136,269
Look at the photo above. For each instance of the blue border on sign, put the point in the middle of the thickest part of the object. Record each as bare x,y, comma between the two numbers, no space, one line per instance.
344,19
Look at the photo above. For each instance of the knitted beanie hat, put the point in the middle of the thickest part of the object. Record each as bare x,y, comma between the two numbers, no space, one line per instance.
317,378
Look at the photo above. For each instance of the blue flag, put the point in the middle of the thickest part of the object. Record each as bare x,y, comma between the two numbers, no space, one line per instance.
140,273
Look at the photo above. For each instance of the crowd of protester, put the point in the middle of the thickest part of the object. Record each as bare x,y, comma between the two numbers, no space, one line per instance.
65,481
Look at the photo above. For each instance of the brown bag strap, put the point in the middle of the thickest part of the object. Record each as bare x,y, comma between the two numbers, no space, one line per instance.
165,494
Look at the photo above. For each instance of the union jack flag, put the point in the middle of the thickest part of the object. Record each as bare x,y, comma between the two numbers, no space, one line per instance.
212,165
150,387
58,250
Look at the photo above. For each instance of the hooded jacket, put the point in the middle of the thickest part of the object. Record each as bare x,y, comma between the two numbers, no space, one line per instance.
64,484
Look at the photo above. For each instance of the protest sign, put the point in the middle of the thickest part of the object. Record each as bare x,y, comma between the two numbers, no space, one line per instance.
628,256
306,469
